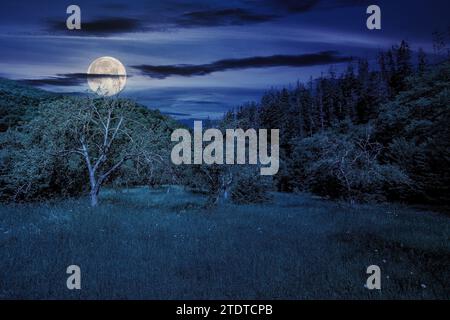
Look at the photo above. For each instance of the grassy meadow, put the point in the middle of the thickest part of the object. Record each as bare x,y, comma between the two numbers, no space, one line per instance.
163,244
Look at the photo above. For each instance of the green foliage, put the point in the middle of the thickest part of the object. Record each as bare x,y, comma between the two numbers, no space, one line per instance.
415,129
43,157
19,103
250,187
30,171
365,135
345,165
240,184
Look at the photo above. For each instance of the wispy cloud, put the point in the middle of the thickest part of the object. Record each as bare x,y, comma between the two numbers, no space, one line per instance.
304,60
66,80
99,27
175,16
291,6
223,17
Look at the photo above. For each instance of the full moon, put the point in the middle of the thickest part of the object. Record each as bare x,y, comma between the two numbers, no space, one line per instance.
107,76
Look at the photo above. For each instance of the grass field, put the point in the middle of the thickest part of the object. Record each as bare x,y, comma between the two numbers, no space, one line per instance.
150,244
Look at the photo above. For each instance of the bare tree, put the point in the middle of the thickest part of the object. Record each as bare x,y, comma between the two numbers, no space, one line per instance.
106,138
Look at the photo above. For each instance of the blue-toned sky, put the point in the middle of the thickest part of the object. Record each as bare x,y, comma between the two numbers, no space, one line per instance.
198,58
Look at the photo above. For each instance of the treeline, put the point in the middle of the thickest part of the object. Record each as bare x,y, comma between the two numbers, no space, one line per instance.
374,132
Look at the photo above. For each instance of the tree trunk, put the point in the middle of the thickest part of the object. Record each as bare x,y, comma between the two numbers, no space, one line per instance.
94,196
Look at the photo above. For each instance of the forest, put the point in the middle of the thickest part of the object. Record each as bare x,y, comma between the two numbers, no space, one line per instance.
371,133
376,132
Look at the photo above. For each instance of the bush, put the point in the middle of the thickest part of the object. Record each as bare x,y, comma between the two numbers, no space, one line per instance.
240,184
340,165
250,187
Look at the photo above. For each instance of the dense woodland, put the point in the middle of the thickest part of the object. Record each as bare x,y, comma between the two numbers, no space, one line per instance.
376,132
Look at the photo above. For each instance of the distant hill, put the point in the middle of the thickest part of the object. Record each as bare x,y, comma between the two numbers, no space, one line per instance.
18,102
19,89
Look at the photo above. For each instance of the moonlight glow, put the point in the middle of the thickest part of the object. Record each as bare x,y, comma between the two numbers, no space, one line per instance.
106,76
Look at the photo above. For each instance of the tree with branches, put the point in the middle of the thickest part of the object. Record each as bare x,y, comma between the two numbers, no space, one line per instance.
106,134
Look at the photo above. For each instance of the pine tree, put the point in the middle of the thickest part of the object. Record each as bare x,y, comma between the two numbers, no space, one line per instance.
422,62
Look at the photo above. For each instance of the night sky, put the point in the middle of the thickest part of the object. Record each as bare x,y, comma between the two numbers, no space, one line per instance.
199,58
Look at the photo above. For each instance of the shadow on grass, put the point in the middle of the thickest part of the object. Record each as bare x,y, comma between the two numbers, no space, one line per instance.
405,264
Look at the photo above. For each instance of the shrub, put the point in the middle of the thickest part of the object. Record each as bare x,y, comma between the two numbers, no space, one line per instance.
345,166
250,187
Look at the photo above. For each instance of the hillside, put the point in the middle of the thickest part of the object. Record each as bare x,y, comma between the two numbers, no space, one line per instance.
34,163
18,103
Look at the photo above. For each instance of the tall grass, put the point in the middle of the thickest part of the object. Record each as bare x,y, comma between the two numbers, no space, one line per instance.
154,244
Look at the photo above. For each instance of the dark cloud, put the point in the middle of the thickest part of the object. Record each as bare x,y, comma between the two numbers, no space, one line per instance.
164,71
223,17
65,80
174,15
177,114
350,3
101,26
300,6
296,6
